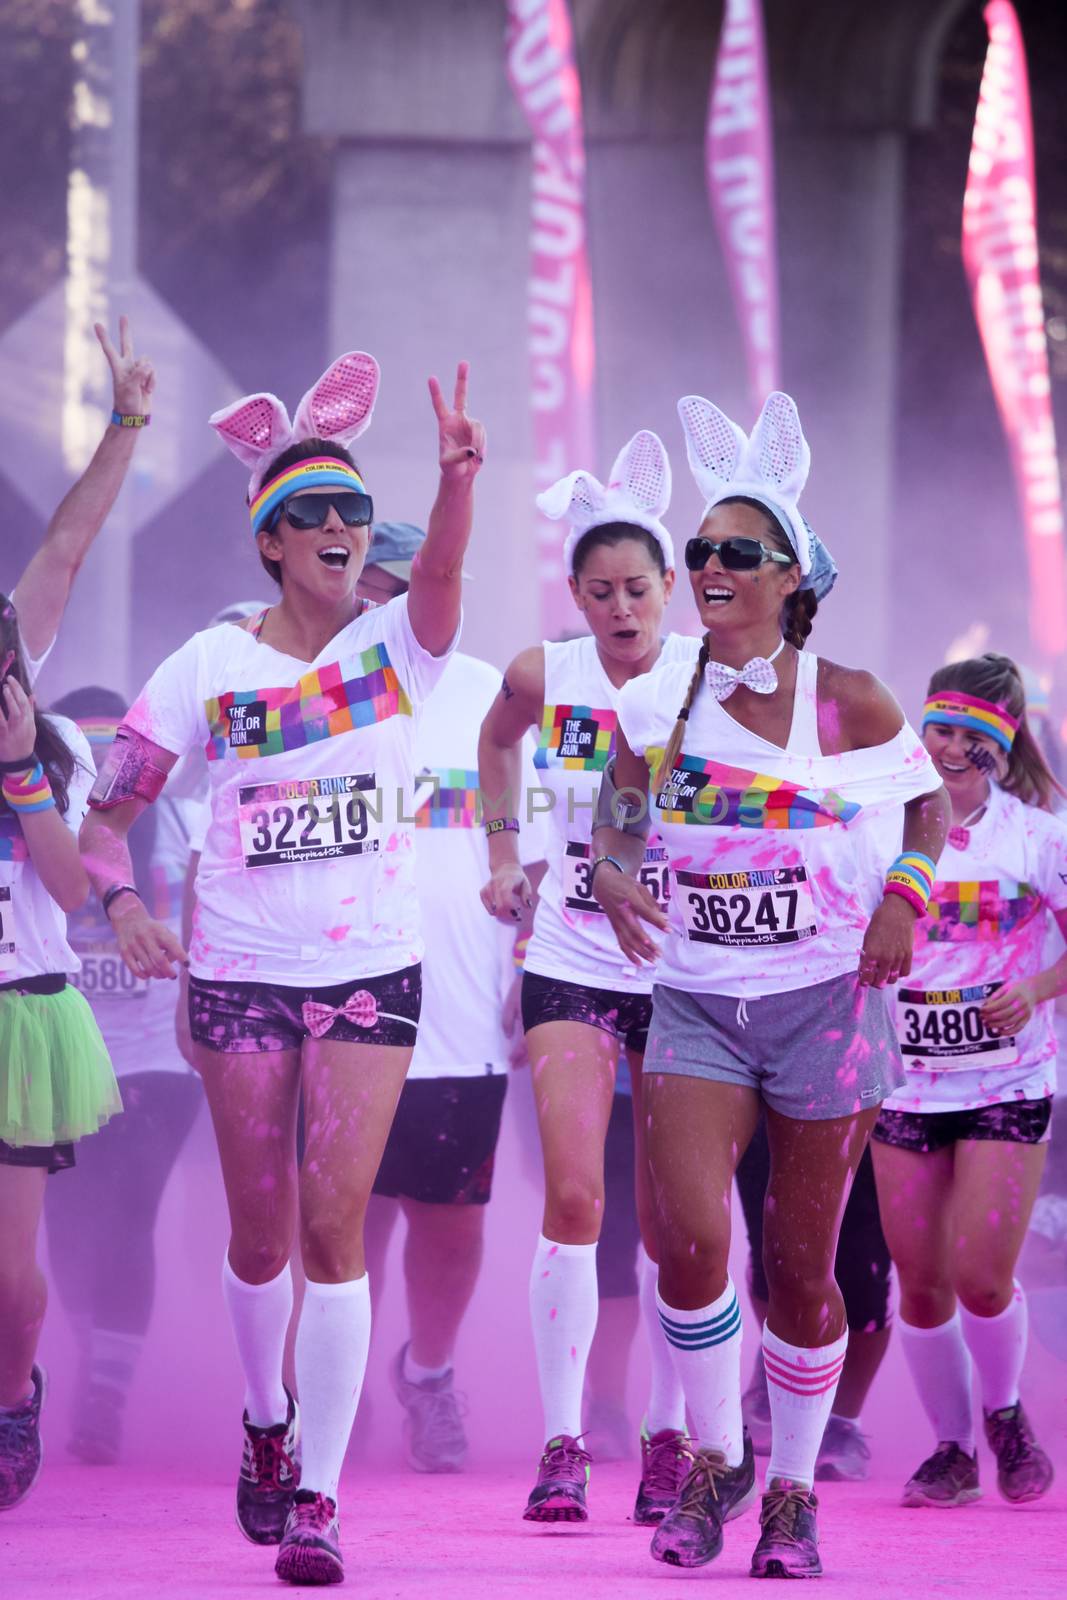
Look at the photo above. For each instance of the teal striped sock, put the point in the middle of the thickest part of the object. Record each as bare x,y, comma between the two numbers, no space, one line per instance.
706,1348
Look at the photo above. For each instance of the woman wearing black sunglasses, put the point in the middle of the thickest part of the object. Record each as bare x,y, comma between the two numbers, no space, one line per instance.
777,789
304,962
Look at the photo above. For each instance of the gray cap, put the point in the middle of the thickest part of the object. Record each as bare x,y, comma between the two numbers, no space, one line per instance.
393,547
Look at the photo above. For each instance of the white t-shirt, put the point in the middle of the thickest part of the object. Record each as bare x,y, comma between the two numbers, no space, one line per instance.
988,923
467,969
778,857
136,1015
33,930
307,871
572,939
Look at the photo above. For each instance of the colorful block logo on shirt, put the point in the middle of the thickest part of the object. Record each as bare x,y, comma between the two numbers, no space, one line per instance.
265,722
730,797
12,842
960,913
454,801
577,738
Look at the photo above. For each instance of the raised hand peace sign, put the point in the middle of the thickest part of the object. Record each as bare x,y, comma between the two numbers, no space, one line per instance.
133,376
461,440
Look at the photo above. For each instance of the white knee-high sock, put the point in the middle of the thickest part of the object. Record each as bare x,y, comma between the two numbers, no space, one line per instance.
259,1313
705,1347
998,1348
940,1367
666,1397
331,1359
801,1385
563,1310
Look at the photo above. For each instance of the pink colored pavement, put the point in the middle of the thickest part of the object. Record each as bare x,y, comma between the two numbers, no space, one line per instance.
100,1534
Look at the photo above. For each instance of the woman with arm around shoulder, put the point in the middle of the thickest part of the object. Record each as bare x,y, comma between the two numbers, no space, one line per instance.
305,957
56,1081
965,1137
767,773
583,1001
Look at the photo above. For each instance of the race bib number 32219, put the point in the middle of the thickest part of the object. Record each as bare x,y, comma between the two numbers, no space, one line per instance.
309,819
746,908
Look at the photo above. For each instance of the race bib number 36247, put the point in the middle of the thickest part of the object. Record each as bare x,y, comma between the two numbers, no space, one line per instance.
309,819
747,908
944,1030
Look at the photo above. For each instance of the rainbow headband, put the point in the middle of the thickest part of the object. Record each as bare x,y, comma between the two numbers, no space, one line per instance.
966,711
319,472
100,731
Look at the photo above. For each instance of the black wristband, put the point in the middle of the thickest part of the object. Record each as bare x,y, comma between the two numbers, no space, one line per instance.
27,764
113,893
599,862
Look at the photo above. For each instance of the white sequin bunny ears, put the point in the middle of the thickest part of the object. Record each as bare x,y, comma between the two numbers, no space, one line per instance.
338,407
638,491
770,465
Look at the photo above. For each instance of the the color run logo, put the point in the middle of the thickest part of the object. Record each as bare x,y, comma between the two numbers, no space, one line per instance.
730,797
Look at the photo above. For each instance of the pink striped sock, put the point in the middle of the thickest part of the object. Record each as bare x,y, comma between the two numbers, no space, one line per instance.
801,1385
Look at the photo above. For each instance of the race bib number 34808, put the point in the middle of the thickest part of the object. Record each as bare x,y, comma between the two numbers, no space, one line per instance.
747,908
944,1030
309,819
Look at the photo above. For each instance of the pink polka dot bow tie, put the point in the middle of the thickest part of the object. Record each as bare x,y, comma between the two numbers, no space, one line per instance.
360,1008
758,675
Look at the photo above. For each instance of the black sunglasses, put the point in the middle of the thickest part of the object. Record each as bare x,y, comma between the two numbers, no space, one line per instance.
310,510
736,555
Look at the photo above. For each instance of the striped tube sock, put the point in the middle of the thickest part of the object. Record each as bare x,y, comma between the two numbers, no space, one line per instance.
801,1385
706,1347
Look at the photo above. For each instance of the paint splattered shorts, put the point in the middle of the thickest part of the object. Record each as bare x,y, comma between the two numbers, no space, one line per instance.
442,1145
625,1016
826,1051
1014,1121
250,1018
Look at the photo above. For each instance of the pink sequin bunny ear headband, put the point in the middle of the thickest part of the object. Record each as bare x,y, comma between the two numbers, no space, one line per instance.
770,465
338,407
638,491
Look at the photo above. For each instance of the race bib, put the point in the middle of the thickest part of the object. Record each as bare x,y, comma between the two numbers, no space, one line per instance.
945,1028
8,950
309,819
105,976
747,908
577,878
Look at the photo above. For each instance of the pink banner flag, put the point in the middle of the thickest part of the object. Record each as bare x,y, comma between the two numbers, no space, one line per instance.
739,156
544,76
1000,257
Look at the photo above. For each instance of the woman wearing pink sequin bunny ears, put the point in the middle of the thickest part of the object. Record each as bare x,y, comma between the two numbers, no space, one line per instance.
779,784
305,955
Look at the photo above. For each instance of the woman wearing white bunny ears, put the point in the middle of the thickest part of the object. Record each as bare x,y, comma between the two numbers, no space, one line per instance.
304,960
582,1001
777,790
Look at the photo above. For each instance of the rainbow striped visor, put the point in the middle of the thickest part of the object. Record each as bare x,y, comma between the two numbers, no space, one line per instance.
966,711
318,472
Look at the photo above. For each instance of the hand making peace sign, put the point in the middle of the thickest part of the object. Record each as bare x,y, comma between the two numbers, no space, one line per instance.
461,439
133,376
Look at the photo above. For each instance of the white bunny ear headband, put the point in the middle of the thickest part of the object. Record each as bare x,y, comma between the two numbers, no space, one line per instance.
771,465
639,491
257,429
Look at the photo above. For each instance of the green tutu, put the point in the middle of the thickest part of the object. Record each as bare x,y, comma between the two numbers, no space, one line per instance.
56,1078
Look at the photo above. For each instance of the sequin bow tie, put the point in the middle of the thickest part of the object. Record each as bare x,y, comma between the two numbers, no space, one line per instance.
758,675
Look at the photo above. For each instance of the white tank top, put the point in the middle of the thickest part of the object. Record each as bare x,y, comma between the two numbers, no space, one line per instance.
572,939
775,884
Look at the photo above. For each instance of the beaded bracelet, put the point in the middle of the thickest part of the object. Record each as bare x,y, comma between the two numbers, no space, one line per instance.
912,877
501,825
130,419
28,791
599,862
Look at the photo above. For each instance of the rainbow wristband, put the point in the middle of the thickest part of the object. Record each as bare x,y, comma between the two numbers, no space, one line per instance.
130,419
28,791
912,877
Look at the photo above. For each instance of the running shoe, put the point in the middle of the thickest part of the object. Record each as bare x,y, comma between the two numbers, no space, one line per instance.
269,1477
844,1453
666,1459
20,1445
311,1545
711,1493
947,1478
609,1431
756,1409
96,1440
1024,1471
434,1438
562,1479
789,1540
